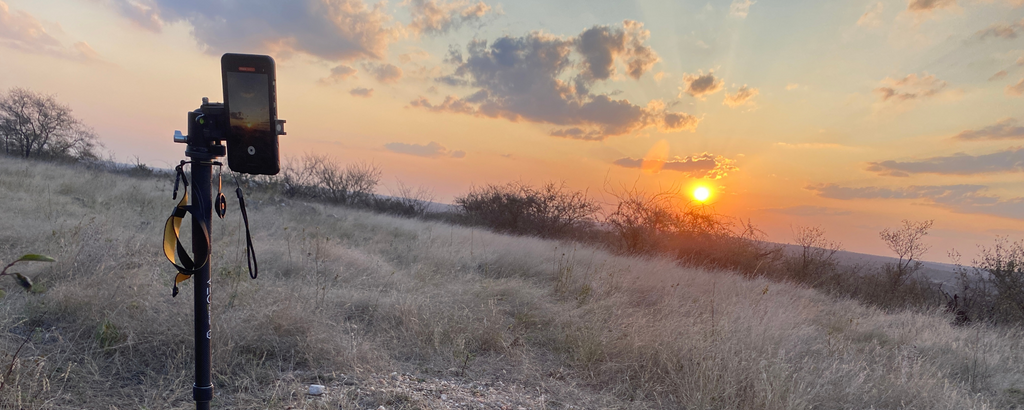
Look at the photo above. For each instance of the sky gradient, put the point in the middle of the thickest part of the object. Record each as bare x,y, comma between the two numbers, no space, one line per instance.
851,115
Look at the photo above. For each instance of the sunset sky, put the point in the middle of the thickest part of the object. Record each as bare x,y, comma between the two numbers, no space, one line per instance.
851,115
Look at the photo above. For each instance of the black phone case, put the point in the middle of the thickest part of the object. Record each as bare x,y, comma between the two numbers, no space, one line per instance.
252,154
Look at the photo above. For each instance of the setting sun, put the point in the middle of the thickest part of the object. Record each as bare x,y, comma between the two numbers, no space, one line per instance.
701,194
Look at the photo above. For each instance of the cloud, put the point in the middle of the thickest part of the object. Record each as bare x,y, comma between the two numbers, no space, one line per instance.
1016,90
792,86
429,150
336,30
872,17
910,87
413,56
386,73
704,165
968,199
22,31
1009,160
338,74
361,92
142,14
812,145
809,210
742,96
740,8
701,85
1001,30
433,17
542,78
1006,129
601,46
921,6
998,76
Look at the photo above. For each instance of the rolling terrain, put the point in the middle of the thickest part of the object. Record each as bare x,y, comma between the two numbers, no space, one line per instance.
344,296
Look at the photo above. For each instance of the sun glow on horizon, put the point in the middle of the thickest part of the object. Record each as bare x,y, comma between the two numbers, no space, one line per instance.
701,193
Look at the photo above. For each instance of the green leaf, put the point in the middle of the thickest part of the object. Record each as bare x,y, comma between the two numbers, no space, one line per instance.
23,281
36,258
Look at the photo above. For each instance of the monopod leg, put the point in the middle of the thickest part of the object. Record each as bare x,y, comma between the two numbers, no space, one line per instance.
202,390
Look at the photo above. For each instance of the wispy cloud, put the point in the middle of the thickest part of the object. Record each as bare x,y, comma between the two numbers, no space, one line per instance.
813,145
701,85
1009,160
361,92
338,74
873,16
740,8
336,30
742,96
1006,129
522,79
22,31
998,76
808,210
385,73
968,199
704,165
911,87
1001,30
429,150
1016,90
438,17
923,6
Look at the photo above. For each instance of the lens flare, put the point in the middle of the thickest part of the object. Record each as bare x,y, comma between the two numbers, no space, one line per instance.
701,194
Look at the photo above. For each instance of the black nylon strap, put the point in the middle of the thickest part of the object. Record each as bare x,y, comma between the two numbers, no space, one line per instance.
187,266
250,252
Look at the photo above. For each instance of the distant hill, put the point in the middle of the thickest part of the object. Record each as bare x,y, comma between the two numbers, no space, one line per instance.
939,273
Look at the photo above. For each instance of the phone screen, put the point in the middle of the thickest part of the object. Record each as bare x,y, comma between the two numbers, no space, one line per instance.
249,95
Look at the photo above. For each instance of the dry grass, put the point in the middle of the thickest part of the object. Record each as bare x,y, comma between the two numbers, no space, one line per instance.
347,292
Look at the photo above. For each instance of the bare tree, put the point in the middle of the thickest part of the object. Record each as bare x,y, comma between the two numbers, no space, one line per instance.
817,253
907,243
321,177
34,125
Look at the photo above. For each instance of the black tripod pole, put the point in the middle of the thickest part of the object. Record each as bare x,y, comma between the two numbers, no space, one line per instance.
202,391
203,147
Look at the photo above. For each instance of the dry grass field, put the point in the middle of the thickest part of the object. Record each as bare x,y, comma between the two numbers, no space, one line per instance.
344,292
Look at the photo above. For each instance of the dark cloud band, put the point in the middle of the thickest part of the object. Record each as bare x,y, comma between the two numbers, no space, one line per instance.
1010,160
964,198
698,166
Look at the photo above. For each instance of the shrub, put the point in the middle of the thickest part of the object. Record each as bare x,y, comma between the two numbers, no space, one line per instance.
516,208
321,177
992,288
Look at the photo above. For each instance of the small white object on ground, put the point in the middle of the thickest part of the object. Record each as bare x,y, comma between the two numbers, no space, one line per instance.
316,389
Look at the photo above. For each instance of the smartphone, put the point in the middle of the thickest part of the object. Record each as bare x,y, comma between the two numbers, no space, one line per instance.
250,98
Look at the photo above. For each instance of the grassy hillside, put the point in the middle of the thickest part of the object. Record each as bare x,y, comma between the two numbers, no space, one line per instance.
348,292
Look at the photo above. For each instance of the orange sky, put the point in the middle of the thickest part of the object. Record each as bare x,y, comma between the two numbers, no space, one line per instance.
851,115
